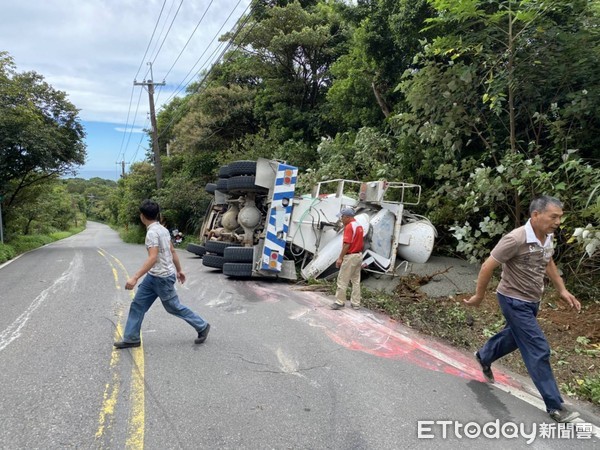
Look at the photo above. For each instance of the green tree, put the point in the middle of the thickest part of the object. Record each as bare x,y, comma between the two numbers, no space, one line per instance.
290,48
386,36
41,136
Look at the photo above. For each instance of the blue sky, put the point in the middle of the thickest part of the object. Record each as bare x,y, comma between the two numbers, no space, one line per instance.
94,50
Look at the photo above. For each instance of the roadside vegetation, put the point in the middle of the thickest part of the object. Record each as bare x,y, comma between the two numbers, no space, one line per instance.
60,208
574,338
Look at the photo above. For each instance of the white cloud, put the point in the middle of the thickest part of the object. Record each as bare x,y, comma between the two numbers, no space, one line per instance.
130,130
92,49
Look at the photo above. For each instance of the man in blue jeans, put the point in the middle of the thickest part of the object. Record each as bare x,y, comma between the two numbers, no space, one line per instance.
526,257
162,268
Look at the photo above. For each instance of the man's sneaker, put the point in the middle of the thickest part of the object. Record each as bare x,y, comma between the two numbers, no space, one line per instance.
355,306
563,415
202,335
123,344
487,370
336,306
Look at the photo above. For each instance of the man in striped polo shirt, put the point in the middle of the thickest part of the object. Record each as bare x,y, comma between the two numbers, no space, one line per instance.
526,258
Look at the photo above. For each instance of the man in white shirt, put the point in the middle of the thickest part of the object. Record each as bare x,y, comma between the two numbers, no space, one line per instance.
162,269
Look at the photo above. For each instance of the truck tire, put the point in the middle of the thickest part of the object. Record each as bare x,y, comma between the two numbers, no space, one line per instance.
238,254
224,172
242,168
196,249
218,247
244,184
213,261
211,188
237,270
222,185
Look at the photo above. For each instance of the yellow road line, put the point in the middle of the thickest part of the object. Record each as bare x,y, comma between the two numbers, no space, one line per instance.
135,432
137,415
136,426
111,391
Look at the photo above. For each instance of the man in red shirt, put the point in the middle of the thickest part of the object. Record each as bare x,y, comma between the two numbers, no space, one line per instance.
350,260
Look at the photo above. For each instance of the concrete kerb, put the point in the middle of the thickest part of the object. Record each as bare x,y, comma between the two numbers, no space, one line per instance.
455,276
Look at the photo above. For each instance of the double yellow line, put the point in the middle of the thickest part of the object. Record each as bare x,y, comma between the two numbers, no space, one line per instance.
136,422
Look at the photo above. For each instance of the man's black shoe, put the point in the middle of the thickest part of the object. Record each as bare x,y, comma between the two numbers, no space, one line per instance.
564,415
123,344
336,306
487,370
202,335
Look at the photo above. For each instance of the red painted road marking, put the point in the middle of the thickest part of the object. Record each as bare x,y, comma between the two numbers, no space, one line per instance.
380,336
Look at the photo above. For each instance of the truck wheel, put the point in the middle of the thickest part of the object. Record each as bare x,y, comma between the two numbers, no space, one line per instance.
222,185
224,172
211,188
219,247
242,168
238,254
244,184
214,261
196,249
237,270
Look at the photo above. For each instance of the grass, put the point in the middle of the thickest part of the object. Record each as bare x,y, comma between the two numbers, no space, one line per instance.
21,244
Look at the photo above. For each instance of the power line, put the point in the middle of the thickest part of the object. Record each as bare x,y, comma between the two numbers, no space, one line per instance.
157,163
238,27
240,24
139,143
183,83
161,31
150,41
126,125
132,124
121,150
167,34
190,38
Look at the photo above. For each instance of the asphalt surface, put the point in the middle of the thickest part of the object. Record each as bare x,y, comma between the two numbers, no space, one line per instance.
279,368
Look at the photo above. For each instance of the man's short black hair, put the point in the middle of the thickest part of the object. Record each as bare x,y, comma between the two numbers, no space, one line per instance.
150,209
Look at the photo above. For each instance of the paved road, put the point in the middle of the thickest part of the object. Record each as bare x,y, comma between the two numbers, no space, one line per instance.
279,369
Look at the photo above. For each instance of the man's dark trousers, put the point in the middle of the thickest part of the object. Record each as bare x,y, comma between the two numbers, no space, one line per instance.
522,331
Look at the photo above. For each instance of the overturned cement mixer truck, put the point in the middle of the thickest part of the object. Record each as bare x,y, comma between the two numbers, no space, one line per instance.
258,226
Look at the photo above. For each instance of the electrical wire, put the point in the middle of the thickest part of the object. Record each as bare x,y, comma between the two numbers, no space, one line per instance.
168,31
151,37
121,151
189,39
240,25
183,84
132,124
140,143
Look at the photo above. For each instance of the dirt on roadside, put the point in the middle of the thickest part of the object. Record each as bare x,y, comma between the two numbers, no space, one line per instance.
574,337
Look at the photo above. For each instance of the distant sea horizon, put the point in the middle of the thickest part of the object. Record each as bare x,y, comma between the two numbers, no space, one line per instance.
105,174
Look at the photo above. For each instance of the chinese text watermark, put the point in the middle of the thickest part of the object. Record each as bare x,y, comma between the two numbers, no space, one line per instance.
431,429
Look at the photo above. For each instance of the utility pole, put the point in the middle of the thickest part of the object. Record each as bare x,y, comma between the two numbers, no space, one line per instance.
1,227
122,163
150,85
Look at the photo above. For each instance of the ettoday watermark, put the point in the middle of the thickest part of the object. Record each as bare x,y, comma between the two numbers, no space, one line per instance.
444,429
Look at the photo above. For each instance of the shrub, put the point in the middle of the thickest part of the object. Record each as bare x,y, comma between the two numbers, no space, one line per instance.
6,252
23,244
133,234
496,199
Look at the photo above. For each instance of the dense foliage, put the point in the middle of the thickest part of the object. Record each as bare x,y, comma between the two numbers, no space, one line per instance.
486,104
41,139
